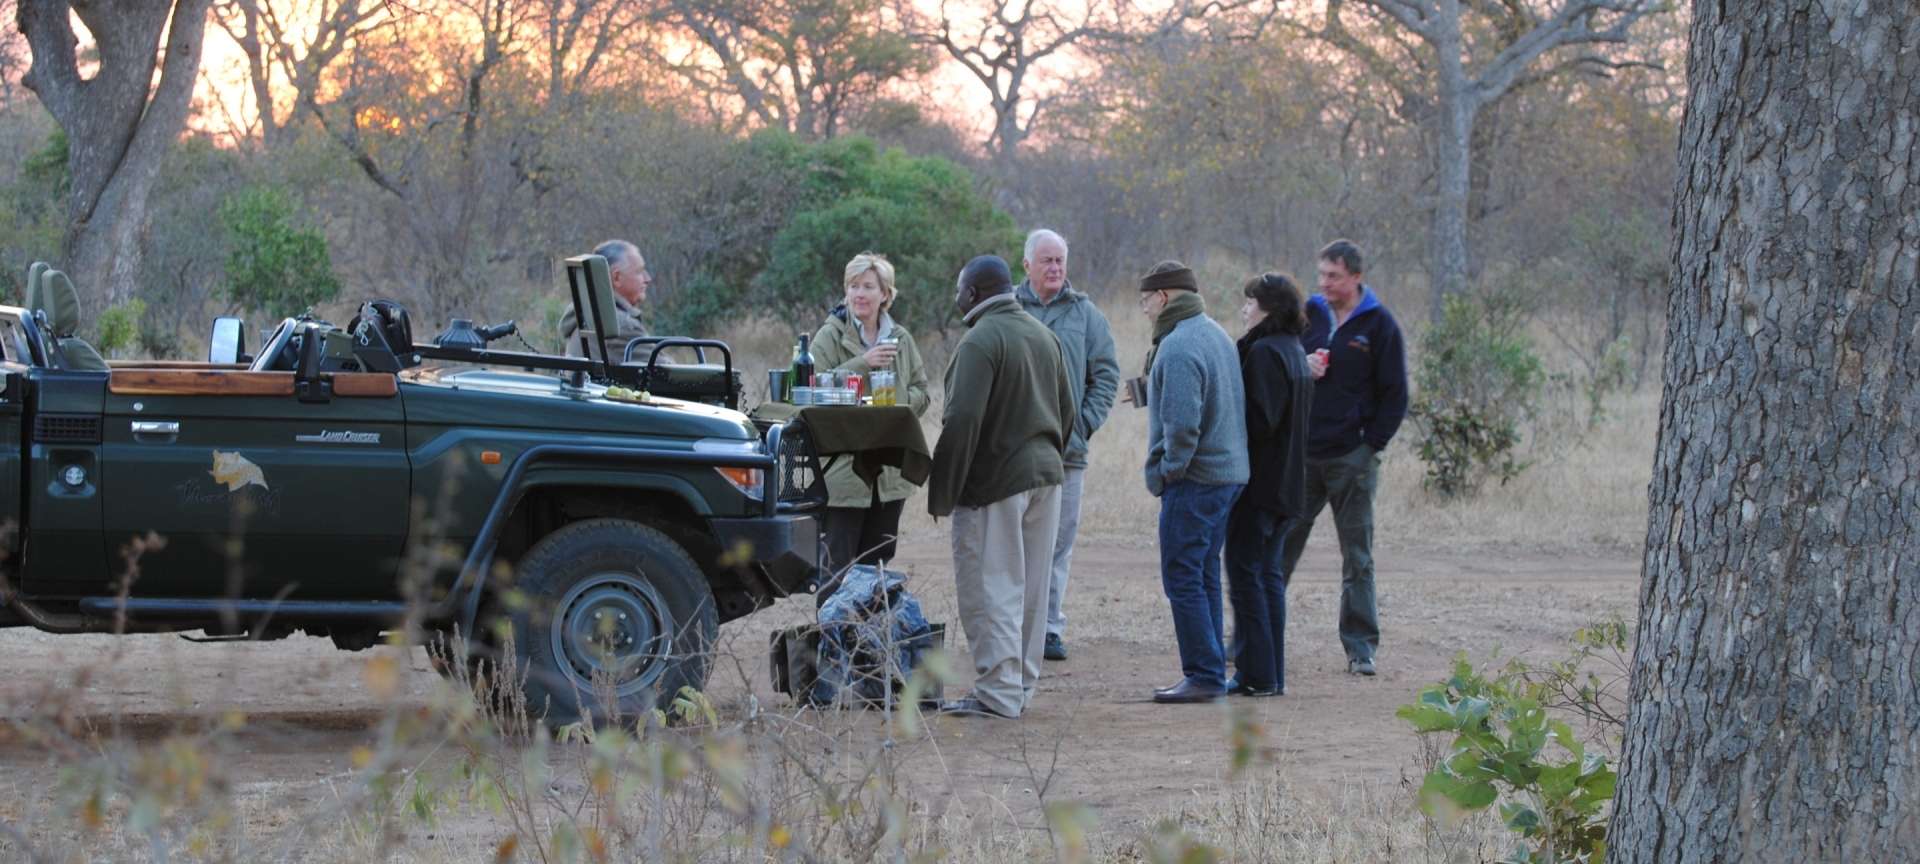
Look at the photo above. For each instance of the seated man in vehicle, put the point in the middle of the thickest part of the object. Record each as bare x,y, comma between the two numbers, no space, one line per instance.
630,281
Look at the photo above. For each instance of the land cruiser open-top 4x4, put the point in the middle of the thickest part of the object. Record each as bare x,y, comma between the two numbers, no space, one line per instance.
315,488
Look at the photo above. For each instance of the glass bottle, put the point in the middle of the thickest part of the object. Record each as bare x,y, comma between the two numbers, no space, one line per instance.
802,375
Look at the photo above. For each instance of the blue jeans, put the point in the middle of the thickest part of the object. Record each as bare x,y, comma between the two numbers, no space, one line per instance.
1258,585
1193,530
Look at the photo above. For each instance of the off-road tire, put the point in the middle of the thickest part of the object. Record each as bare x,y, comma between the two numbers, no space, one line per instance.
595,570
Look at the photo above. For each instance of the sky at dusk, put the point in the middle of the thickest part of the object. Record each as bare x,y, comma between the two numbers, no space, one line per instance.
225,97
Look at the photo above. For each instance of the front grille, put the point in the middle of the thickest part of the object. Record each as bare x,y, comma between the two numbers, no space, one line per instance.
66,429
802,483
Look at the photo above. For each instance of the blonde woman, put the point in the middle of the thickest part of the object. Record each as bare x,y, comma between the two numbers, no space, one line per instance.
861,337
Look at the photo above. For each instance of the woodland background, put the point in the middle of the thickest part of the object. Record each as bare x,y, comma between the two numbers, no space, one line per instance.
448,153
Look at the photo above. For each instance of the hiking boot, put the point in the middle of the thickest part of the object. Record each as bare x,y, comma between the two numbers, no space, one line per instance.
1056,647
1360,666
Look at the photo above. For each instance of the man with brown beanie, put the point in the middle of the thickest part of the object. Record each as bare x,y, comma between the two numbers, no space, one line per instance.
1196,465
997,469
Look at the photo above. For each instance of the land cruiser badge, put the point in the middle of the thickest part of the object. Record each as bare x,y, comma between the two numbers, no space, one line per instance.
330,437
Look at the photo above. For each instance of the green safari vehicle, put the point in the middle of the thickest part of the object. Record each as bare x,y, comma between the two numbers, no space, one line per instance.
346,480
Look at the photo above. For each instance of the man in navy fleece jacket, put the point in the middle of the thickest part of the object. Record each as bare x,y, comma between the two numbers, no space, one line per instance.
1358,403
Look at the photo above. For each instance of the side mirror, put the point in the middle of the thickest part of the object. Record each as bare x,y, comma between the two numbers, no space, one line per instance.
229,342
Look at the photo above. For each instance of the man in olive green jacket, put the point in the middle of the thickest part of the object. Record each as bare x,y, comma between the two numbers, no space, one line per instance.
997,469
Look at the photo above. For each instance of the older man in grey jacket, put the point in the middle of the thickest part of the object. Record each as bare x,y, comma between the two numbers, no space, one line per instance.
1196,465
1086,343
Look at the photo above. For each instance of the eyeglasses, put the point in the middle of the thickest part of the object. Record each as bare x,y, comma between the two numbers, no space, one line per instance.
1149,295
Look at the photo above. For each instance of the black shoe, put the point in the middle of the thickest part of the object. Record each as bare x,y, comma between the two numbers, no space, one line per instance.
1187,691
968,706
1056,647
1235,688
1360,666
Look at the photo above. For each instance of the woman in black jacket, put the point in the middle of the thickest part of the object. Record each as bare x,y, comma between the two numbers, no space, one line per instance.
1279,387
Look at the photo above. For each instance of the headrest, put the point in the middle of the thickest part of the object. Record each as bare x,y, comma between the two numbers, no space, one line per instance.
61,302
32,300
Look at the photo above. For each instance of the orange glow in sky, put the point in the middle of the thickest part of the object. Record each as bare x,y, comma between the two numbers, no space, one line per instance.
226,106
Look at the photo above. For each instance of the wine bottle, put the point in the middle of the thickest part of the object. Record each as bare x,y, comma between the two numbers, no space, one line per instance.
802,375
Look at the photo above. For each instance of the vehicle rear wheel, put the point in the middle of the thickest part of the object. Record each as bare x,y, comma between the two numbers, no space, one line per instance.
619,619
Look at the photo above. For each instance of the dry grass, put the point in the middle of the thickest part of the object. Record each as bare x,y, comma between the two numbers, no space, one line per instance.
439,777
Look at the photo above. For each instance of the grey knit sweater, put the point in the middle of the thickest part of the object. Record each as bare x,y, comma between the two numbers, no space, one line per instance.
1196,409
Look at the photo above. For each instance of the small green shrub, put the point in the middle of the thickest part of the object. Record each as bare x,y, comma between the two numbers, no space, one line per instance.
47,168
697,307
1478,379
274,265
1511,747
120,326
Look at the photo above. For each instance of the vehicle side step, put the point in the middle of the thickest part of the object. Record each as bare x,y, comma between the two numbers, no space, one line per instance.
198,607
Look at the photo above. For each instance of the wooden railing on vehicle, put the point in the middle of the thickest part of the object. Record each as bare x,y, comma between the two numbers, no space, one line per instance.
222,382
365,385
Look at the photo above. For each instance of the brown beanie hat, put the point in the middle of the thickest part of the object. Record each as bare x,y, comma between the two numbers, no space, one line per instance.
1169,276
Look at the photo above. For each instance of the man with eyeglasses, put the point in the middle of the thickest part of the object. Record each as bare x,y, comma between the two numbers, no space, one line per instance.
1197,466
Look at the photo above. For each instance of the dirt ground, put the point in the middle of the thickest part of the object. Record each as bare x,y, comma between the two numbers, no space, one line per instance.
1134,762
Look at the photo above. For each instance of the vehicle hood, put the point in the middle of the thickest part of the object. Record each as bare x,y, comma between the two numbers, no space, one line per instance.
503,399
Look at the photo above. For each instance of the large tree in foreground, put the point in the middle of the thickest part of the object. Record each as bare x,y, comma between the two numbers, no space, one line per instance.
1776,683
119,122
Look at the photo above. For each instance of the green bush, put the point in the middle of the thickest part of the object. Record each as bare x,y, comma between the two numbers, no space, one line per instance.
1510,746
120,326
697,307
46,170
273,265
926,214
1478,379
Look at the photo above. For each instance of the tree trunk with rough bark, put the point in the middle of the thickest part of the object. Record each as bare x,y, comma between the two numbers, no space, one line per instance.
119,124
1452,131
1776,687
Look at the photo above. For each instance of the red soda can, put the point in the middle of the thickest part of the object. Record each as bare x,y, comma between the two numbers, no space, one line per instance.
854,383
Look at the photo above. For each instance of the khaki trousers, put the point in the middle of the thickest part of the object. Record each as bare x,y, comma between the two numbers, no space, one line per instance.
1002,563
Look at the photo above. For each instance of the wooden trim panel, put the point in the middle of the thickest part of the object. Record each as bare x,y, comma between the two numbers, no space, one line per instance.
368,385
211,382
198,382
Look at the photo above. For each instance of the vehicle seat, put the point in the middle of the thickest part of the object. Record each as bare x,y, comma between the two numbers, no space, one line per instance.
61,302
32,299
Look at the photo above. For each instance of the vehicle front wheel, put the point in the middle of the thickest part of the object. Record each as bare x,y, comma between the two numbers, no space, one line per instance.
619,618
